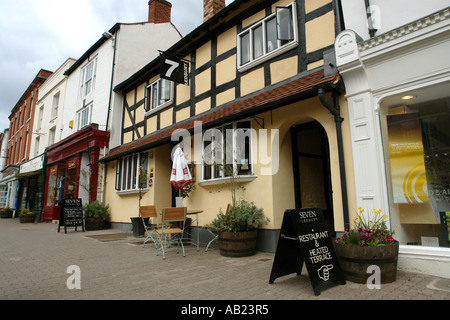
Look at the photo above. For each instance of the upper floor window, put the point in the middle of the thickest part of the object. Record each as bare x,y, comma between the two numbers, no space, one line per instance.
159,94
267,38
55,105
84,116
88,75
51,136
131,172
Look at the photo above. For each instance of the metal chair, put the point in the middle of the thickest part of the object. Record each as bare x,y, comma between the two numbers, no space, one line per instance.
215,236
168,233
150,229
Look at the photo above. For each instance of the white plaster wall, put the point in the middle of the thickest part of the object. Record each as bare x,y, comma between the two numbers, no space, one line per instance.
57,82
390,14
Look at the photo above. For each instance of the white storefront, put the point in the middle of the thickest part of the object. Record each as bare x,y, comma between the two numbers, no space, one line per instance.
398,91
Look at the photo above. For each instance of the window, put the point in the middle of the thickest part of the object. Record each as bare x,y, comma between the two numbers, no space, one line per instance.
51,136
36,146
84,116
226,149
41,114
128,175
159,94
55,105
417,144
260,43
88,75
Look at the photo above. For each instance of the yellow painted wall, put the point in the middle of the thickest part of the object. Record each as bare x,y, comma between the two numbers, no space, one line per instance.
252,81
166,118
283,69
203,106
226,96
226,41
203,82
320,32
226,70
203,54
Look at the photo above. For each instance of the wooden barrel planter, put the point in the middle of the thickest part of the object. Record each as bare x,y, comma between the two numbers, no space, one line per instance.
237,244
6,214
27,218
355,260
92,224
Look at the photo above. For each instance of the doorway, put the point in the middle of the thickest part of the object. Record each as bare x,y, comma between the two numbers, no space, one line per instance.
311,164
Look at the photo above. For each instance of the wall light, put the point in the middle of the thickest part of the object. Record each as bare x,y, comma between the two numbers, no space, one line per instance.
408,97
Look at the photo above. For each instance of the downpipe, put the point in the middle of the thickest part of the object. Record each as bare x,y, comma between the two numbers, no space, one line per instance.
336,112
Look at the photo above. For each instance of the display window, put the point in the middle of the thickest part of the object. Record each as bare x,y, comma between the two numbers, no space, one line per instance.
417,153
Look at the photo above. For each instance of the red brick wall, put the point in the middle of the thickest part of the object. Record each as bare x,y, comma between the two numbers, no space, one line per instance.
211,7
159,11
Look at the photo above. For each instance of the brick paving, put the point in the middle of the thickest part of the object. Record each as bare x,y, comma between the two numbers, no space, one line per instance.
34,259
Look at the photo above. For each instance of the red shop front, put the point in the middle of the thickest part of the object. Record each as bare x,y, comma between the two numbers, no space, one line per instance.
72,169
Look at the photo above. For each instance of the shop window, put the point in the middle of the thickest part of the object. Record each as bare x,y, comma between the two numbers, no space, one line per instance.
129,176
227,149
418,160
273,35
159,94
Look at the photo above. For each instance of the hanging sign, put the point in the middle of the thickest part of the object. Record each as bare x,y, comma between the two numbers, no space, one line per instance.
173,69
71,214
305,238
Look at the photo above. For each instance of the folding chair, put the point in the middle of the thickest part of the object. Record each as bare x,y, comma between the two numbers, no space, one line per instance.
150,212
169,233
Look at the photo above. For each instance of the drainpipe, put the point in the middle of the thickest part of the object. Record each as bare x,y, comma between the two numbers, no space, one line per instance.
336,112
108,36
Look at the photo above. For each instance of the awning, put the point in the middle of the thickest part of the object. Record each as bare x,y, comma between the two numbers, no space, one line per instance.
296,90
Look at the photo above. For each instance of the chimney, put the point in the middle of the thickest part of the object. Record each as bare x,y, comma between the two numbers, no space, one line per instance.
159,11
211,7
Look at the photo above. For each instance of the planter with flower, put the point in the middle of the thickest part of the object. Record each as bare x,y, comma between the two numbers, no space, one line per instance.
6,213
96,215
367,247
238,229
27,216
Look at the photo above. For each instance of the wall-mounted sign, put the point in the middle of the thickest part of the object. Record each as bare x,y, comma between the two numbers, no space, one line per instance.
176,70
305,238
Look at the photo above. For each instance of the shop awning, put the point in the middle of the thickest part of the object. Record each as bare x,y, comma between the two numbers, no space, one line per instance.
296,90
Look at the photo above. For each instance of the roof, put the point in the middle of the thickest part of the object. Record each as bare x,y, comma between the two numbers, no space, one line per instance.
295,90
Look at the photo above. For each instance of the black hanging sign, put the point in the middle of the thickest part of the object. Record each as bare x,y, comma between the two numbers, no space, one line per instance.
176,70
305,238
71,214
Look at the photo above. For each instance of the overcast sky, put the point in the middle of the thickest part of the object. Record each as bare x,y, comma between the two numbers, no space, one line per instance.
42,34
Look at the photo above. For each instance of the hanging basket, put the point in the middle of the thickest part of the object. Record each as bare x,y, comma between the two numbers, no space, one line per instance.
355,260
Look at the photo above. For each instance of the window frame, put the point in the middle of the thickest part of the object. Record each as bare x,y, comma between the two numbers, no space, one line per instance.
127,173
148,104
80,112
266,55
221,176
83,79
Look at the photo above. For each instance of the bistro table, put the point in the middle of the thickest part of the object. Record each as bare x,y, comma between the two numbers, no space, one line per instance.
195,212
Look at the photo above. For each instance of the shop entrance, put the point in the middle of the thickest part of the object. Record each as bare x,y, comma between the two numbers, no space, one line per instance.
311,164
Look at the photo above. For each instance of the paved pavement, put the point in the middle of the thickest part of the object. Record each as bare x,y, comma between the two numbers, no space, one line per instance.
35,260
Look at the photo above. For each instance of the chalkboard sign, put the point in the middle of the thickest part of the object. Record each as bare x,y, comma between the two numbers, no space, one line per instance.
71,214
305,238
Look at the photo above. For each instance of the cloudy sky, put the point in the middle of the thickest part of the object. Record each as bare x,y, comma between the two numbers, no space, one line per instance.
42,34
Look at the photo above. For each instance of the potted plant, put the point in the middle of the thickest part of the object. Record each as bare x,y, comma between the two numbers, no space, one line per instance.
96,215
6,213
237,228
27,216
369,243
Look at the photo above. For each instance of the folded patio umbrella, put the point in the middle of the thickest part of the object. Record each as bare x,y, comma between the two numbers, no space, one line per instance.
181,176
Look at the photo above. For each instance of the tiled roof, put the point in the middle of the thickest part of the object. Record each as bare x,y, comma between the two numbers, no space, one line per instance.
266,100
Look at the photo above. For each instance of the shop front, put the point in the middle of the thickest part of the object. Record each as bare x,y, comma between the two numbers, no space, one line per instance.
73,169
397,87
